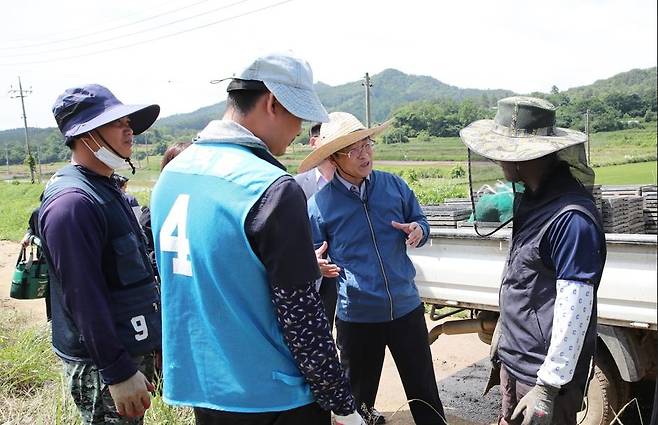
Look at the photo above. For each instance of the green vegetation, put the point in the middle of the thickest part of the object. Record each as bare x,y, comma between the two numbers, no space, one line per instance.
428,166
624,146
26,359
422,107
18,201
31,382
638,173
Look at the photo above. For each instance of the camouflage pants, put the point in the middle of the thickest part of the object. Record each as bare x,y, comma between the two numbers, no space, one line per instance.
92,396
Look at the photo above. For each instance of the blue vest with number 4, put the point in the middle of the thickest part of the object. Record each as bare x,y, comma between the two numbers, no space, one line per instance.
223,348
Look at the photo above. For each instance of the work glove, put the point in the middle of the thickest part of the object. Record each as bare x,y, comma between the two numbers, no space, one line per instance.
494,374
351,419
536,406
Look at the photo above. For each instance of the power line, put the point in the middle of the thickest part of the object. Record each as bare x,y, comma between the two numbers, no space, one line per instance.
92,43
251,12
150,18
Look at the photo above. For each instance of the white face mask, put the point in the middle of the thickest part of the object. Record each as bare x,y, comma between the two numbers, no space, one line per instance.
108,157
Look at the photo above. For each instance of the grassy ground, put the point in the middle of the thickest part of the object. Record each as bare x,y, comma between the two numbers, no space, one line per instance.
640,173
625,146
634,148
18,201
31,386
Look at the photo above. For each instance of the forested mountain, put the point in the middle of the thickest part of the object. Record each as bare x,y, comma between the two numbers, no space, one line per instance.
390,90
421,106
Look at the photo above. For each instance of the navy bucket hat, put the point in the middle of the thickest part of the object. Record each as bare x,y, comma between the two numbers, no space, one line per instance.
82,109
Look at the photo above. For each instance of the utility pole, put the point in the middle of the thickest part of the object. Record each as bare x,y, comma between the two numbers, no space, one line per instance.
146,141
589,155
7,156
366,82
13,93
39,161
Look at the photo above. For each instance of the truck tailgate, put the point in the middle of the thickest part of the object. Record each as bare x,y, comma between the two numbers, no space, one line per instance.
458,268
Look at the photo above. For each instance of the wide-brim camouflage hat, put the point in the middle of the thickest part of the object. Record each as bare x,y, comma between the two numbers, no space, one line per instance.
342,130
523,129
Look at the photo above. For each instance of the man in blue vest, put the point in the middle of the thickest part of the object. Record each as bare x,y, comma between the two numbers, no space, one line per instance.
105,303
368,219
548,293
245,338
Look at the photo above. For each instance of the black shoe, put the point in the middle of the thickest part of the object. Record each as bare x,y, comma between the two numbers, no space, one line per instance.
378,418
372,417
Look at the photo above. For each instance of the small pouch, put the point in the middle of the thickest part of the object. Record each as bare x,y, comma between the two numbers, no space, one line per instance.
30,279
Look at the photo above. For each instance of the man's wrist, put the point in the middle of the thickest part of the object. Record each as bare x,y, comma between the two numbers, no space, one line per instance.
549,391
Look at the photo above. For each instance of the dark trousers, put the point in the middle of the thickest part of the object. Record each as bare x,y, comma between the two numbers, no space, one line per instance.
567,403
329,295
362,348
305,415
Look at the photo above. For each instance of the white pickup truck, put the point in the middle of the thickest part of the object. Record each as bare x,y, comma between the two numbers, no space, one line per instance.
457,268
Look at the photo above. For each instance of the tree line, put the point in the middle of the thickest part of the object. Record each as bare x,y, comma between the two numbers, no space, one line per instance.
609,111
623,101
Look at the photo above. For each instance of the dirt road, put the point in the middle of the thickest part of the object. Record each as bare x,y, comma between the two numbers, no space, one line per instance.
460,363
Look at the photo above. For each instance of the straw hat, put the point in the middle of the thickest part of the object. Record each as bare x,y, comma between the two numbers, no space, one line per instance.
523,129
342,130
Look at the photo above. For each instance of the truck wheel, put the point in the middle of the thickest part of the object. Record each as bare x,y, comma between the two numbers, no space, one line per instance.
606,393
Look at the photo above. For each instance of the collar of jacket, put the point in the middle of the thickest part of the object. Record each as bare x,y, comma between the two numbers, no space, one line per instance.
342,188
230,132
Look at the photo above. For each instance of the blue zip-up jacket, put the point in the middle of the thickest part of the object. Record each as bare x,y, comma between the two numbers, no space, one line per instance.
376,282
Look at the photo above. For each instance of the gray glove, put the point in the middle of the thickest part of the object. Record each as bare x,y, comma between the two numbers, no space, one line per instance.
537,405
494,374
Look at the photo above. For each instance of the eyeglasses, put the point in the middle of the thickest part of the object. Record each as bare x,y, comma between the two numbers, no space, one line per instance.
353,153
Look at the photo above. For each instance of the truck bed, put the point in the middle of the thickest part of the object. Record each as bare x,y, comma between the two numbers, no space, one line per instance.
458,268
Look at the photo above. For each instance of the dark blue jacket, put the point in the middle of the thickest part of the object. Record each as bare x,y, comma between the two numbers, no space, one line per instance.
125,307
376,282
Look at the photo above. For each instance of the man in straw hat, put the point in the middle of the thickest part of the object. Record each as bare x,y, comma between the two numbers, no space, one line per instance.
311,182
548,292
369,219
245,338
105,303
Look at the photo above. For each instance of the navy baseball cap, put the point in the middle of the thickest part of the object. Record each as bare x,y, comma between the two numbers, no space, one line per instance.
82,109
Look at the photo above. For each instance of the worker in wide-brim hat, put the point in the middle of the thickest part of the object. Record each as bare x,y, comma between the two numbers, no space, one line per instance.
366,219
547,326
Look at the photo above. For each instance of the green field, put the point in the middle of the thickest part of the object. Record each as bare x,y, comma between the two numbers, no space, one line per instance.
18,201
639,173
620,157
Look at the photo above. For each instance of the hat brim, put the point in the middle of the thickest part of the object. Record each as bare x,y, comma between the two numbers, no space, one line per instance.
323,152
141,118
302,103
480,138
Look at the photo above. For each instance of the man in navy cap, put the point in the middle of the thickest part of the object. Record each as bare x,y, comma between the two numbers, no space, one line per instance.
105,304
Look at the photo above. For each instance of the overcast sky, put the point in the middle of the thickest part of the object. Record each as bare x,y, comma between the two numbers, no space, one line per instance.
166,51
